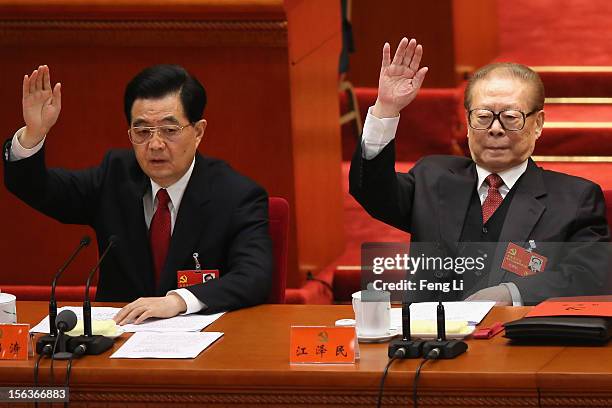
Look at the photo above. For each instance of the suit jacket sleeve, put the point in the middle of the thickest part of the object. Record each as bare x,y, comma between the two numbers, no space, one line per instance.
248,279
70,197
386,195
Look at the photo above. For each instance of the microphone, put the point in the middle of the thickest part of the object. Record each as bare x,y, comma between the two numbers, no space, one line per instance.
441,320
446,349
86,304
65,321
85,241
412,348
93,344
50,339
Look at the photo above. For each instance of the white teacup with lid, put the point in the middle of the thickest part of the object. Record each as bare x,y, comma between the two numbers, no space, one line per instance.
372,312
8,309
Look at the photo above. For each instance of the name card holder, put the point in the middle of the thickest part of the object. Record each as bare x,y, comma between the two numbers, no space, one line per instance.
323,345
14,341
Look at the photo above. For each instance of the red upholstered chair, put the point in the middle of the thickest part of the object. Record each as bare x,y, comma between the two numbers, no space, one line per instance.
279,230
43,292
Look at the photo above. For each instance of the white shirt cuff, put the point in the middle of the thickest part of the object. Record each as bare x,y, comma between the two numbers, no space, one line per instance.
377,133
193,303
517,299
19,152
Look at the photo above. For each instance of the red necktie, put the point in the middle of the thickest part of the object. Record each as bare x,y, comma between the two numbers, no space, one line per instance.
159,233
494,198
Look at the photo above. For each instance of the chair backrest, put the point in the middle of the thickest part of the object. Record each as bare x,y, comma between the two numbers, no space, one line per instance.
279,231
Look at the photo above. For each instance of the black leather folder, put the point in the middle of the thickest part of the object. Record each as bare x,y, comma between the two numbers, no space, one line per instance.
560,329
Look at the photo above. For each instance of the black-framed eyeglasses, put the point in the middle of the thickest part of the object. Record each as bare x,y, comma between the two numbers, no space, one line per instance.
513,120
142,134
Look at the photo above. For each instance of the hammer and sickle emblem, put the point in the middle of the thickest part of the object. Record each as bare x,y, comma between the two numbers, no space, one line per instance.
183,279
512,251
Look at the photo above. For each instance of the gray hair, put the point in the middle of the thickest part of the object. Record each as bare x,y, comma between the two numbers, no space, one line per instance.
508,70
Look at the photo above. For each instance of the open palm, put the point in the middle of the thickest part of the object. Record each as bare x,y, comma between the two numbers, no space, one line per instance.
400,79
41,103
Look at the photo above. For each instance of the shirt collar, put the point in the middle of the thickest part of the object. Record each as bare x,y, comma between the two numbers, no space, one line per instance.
509,176
176,190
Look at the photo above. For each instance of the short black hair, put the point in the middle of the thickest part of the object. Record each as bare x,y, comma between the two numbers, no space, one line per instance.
158,81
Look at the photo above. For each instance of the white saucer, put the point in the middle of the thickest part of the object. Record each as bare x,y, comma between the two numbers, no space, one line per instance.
380,338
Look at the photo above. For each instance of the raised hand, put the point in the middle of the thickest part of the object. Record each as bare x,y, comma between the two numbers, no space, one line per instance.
41,105
400,79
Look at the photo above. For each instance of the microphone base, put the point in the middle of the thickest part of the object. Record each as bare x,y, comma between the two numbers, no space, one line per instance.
62,355
94,344
448,348
414,348
49,339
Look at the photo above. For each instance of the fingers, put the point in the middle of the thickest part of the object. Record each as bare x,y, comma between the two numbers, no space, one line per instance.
416,58
138,311
126,310
39,78
144,308
400,52
412,45
32,84
46,78
57,96
419,77
386,58
408,54
121,314
26,86
135,313
129,313
144,316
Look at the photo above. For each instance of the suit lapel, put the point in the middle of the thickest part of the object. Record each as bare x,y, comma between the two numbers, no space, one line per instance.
189,225
526,208
455,190
524,212
137,242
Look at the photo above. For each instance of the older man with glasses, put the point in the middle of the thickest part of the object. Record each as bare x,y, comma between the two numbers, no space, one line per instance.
499,198
171,208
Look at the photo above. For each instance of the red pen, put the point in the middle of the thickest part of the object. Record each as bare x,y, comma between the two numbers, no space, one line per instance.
488,332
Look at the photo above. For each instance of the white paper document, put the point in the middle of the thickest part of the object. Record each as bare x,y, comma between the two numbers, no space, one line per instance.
471,312
166,345
182,323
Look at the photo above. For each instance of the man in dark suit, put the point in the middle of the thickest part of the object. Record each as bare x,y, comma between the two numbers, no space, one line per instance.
169,207
499,196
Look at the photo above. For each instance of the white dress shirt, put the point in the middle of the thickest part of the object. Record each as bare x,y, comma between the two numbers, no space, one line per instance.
149,201
377,133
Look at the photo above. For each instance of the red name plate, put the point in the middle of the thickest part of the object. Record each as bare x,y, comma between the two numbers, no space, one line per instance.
14,341
322,345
